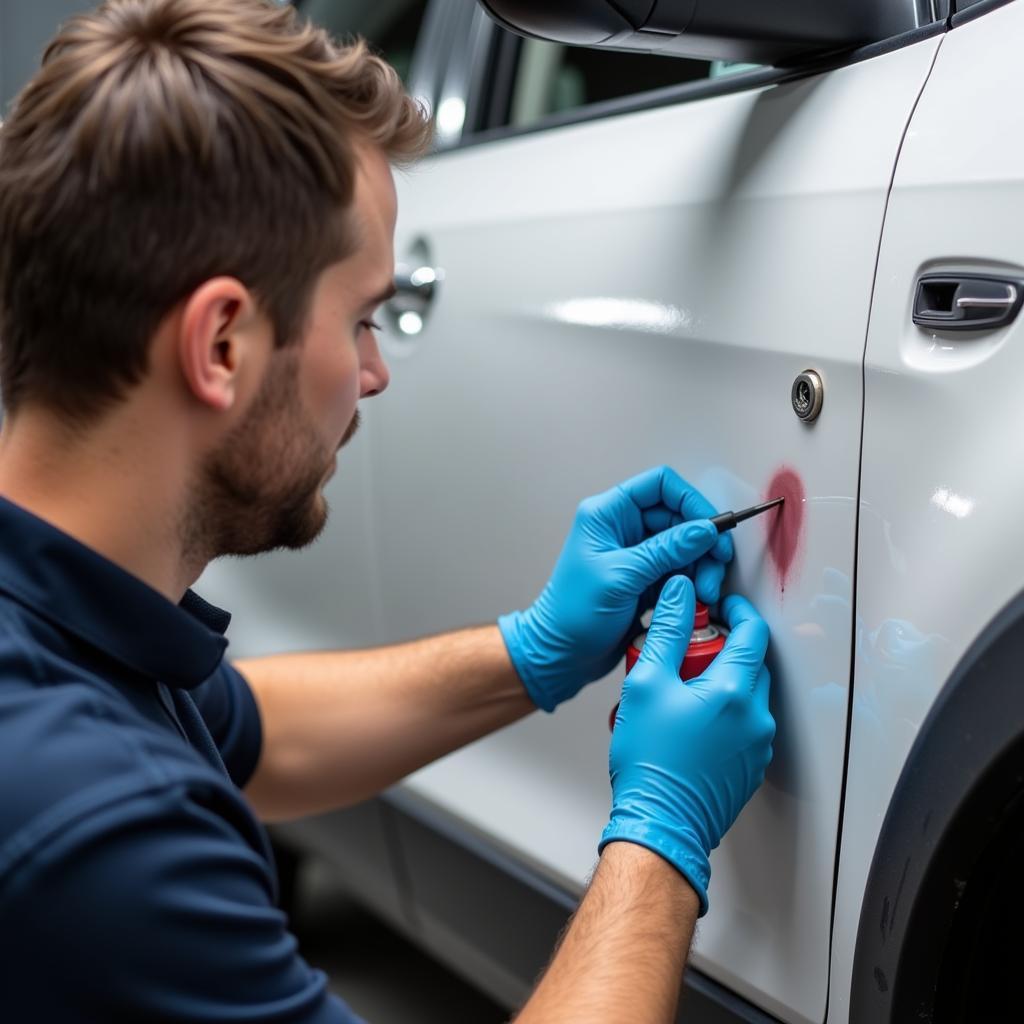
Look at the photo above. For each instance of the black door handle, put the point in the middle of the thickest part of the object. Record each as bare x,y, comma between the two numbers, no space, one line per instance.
966,302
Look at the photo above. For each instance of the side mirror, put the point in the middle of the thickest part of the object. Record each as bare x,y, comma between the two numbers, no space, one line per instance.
755,31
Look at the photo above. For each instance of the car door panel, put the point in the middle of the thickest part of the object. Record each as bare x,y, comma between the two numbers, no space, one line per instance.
943,432
616,294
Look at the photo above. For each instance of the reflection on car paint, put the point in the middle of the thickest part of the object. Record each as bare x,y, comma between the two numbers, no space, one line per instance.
955,504
620,314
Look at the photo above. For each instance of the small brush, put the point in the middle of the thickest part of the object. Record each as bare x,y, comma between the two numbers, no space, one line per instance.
729,520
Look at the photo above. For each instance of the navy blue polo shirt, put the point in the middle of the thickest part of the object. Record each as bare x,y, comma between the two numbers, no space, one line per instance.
135,882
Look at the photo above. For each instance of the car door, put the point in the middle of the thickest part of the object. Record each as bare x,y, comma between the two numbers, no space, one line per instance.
939,557
609,293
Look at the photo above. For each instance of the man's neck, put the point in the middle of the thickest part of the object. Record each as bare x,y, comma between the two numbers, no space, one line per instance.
113,488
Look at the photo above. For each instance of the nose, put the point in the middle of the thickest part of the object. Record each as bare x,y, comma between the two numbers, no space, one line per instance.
374,375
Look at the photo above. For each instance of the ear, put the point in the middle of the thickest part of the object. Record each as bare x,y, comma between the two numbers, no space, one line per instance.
218,339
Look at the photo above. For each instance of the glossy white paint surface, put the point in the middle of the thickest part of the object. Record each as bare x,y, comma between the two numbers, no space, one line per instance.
638,290
939,551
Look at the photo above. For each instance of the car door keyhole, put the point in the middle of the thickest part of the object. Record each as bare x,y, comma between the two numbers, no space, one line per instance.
807,395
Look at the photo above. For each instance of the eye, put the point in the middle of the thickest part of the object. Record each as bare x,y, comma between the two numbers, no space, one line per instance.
370,325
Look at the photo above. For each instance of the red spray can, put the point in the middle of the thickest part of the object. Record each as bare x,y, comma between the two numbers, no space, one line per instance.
706,642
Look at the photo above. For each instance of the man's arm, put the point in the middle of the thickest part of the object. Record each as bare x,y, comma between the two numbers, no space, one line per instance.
623,954
339,727
684,759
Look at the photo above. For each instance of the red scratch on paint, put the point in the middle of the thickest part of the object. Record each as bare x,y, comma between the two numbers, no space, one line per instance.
785,527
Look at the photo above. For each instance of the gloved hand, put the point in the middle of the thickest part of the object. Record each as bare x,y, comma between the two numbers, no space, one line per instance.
686,757
623,543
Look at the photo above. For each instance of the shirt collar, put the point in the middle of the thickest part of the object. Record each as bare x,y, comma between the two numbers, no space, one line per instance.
85,594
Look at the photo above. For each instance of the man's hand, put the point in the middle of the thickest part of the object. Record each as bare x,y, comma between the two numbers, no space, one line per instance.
622,545
686,757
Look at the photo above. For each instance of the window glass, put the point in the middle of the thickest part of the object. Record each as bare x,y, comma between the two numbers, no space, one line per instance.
552,78
390,26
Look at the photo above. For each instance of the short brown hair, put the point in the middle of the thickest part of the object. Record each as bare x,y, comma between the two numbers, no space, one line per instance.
164,142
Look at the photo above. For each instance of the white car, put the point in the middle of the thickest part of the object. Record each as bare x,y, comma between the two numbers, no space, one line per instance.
804,274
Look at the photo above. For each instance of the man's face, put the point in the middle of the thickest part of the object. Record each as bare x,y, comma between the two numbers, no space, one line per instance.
263,486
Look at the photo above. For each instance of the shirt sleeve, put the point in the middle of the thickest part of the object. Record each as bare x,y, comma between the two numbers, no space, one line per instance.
229,709
156,909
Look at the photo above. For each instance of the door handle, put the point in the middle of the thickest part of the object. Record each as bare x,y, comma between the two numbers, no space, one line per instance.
416,284
966,302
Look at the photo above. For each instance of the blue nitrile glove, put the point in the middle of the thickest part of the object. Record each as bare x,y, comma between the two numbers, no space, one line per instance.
623,543
686,757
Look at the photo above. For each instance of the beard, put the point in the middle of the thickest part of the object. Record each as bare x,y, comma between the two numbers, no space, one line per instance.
261,489
350,431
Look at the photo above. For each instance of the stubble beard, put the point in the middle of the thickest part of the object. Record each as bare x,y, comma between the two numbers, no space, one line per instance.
261,489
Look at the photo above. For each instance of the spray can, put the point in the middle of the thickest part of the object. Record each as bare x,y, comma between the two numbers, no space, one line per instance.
706,642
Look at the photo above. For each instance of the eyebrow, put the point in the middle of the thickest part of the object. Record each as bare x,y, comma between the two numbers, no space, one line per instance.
383,296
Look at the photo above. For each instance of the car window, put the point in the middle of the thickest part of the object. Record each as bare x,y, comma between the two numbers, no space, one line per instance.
551,78
391,26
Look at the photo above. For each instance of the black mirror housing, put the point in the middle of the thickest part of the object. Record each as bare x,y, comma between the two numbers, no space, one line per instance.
756,31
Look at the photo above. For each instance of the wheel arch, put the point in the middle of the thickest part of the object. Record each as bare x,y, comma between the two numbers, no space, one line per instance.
958,790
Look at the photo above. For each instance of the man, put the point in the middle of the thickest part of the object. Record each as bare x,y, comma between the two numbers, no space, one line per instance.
196,219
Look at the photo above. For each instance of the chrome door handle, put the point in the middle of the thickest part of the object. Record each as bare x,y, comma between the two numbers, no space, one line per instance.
966,302
988,301
416,286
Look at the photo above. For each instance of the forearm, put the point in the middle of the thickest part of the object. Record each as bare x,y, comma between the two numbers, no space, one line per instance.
341,726
623,955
